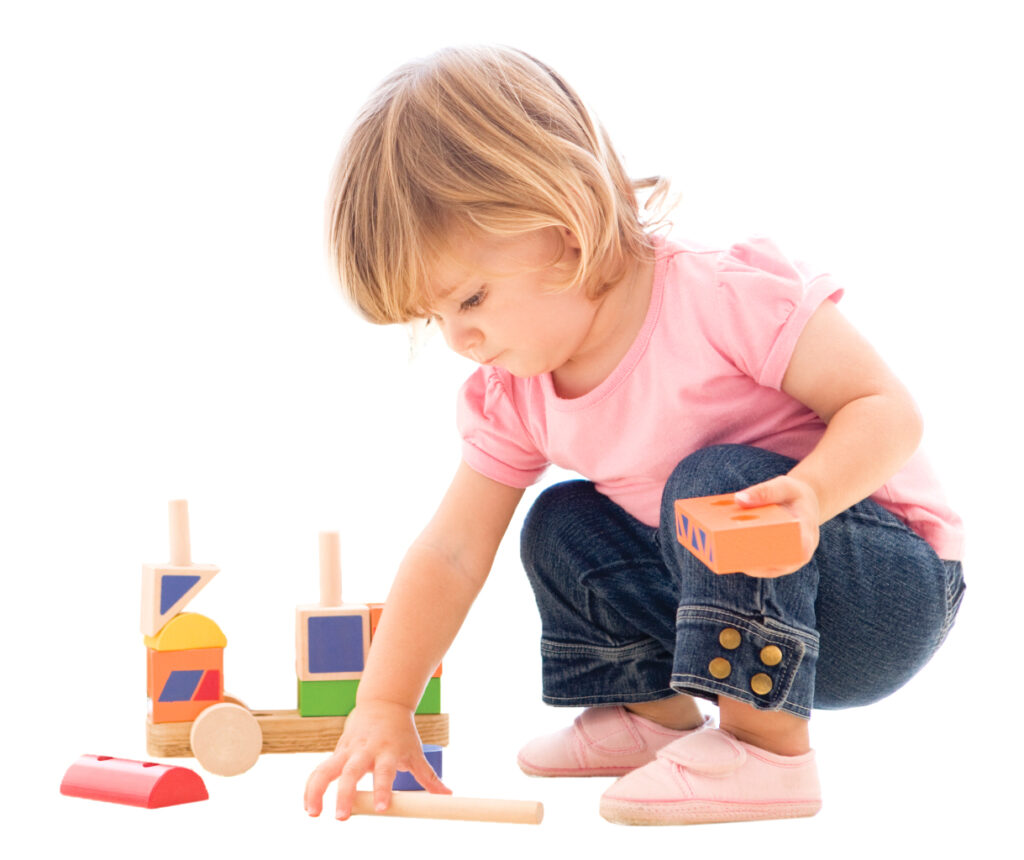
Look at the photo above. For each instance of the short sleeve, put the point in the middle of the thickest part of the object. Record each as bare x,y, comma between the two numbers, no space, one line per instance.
763,302
495,442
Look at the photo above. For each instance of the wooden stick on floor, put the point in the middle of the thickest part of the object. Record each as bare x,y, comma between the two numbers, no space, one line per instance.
419,804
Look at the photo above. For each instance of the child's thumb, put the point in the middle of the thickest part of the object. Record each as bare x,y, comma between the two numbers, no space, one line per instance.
760,494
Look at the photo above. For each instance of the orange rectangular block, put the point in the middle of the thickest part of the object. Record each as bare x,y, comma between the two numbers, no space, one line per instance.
183,683
729,538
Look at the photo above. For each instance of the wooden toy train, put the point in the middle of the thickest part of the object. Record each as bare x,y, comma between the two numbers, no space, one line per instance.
189,712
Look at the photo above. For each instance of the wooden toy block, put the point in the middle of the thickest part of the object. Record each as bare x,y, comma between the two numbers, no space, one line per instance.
332,638
729,538
134,783
415,804
168,588
186,632
327,698
430,701
283,732
338,698
405,781
182,683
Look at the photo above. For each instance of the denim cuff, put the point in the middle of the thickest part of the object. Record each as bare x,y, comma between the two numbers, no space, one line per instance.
763,662
579,675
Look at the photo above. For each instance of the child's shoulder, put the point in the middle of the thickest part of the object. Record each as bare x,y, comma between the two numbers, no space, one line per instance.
756,255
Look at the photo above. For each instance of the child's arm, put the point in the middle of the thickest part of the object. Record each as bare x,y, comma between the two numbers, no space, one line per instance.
873,427
437,582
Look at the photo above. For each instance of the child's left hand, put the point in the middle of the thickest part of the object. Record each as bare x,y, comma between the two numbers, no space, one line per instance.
800,500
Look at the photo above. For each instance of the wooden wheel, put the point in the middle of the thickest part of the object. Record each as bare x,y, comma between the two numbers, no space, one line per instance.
226,739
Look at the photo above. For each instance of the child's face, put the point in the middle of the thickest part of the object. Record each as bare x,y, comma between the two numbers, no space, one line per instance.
494,304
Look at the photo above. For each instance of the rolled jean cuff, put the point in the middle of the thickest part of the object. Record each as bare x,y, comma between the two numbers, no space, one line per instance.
762,661
579,675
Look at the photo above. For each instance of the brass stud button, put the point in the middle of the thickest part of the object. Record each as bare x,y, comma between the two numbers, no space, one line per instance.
771,655
761,684
720,668
729,638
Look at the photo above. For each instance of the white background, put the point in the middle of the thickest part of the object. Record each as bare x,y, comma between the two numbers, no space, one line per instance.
169,330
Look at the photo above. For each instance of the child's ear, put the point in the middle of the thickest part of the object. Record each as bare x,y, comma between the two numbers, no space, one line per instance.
570,239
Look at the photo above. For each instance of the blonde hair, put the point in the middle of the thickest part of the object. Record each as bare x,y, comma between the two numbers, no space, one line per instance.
487,139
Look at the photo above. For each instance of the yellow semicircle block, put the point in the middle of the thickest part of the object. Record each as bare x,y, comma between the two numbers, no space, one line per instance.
185,631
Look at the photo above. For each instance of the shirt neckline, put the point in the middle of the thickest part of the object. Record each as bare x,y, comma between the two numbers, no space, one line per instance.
633,354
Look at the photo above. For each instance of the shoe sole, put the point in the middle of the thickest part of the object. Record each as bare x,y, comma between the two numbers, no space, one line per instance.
531,770
703,812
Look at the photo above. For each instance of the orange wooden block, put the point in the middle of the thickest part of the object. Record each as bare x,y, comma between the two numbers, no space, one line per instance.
180,684
375,610
729,538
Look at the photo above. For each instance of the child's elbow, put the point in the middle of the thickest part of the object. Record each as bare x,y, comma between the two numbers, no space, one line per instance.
911,422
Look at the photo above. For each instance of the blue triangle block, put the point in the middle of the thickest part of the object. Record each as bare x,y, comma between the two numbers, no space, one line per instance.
173,588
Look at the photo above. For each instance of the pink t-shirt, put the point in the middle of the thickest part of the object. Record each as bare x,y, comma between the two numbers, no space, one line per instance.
705,369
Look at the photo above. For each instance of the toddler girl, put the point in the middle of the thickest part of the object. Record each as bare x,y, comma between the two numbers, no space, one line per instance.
476,192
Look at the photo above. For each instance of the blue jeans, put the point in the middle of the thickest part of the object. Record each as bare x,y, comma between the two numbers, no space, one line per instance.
629,615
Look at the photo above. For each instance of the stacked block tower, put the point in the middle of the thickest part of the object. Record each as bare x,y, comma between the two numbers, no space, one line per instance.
332,641
184,650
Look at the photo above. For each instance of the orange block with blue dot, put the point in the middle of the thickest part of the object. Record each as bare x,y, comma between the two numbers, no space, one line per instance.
730,538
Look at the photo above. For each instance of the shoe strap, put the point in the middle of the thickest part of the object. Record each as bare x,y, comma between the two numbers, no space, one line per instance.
609,730
711,752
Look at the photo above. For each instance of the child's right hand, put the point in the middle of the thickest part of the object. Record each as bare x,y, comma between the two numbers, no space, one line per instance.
380,737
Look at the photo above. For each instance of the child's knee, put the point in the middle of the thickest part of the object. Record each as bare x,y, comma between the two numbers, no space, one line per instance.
547,520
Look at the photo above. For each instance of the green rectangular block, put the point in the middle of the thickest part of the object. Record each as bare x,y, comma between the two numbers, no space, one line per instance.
338,698
327,698
431,701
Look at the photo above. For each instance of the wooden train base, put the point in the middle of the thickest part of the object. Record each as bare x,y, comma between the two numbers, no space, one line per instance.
226,739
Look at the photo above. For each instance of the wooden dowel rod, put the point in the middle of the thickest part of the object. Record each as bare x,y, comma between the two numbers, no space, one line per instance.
181,546
420,804
330,569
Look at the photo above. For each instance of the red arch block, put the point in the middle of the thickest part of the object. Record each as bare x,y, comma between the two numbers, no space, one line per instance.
135,783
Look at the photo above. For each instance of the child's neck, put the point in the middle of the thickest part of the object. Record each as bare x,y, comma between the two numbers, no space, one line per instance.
620,314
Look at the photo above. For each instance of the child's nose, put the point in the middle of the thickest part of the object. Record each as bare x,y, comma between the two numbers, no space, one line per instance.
462,337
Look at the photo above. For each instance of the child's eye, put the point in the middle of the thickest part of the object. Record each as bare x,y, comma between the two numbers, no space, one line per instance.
474,301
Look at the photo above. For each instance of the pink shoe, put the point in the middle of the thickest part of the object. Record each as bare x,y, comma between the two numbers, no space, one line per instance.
711,776
604,741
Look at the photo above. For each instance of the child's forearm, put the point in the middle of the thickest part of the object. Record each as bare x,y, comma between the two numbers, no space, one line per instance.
866,442
425,608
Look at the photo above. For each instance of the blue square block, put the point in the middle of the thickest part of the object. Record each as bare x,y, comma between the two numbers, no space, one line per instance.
405,781
335,643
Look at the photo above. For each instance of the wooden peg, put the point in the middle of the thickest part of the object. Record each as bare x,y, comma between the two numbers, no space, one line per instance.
330,569
416,804
177,520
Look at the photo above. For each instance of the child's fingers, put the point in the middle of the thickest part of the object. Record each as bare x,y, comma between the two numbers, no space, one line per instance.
351,774
317,784
771,492
383,779
426,777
